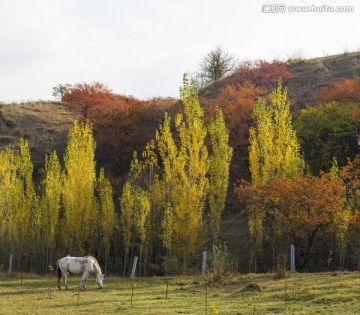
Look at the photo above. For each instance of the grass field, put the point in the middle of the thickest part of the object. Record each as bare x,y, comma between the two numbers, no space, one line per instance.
322,293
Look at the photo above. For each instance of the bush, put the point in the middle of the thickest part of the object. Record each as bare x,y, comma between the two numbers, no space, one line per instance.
280,271
220,262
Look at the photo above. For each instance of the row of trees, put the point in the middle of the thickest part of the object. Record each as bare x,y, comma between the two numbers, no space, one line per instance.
71,212
162,209
174,195
171,184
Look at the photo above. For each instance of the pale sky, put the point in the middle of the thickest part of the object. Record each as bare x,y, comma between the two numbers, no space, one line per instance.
143,47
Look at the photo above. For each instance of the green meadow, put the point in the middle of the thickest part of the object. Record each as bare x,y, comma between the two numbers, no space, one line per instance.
298,293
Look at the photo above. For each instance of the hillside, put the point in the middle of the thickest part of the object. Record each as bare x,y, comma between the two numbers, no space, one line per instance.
307,76
46,124
306,211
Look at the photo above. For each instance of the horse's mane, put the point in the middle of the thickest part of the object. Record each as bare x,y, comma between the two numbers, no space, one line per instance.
92,257
97,266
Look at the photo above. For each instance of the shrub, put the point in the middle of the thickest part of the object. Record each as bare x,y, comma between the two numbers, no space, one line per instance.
220,262
280,270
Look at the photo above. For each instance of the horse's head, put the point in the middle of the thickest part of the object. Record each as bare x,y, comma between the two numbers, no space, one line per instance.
99,280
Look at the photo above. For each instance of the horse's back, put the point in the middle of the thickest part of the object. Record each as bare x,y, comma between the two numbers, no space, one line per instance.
76,259
76,264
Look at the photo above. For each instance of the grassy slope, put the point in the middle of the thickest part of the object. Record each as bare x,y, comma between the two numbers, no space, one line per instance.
44,124
309,75
324,293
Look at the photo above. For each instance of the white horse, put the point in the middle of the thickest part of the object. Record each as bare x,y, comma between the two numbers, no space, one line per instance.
76,265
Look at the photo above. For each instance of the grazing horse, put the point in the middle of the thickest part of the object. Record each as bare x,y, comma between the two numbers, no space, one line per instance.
76,265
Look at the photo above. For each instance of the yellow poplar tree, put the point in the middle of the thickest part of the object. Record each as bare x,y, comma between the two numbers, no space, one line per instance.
127,205
29,213
11,191
141,218
219,171
168,184
150,164
51,201
142,177
167,226
78,189
191,167
150,181
107,215
178,194
274,151
20,215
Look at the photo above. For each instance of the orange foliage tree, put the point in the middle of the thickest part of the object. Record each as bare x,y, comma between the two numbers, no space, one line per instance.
87,98
346,91
306,211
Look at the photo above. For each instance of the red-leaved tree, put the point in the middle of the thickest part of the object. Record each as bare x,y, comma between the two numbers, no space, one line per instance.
88,98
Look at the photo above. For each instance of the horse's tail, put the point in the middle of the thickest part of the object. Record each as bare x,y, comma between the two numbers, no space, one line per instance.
59,274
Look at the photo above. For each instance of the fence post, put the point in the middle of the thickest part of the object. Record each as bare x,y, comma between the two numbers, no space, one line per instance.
10,264
203,270
134,267
132,279
292,258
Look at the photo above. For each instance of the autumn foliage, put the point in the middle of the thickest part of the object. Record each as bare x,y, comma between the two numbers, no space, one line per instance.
121,124
252,81
87,98
346,91
236,102
178,189
126,127
178,174
262,73
305,211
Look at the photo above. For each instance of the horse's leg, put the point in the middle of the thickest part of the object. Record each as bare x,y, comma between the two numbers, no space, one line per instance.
59,274
83,279
60,277
87,276
65,281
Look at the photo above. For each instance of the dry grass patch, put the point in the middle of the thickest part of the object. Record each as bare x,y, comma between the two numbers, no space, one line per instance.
44,124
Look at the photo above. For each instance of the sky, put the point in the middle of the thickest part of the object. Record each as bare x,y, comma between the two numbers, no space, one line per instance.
143,47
